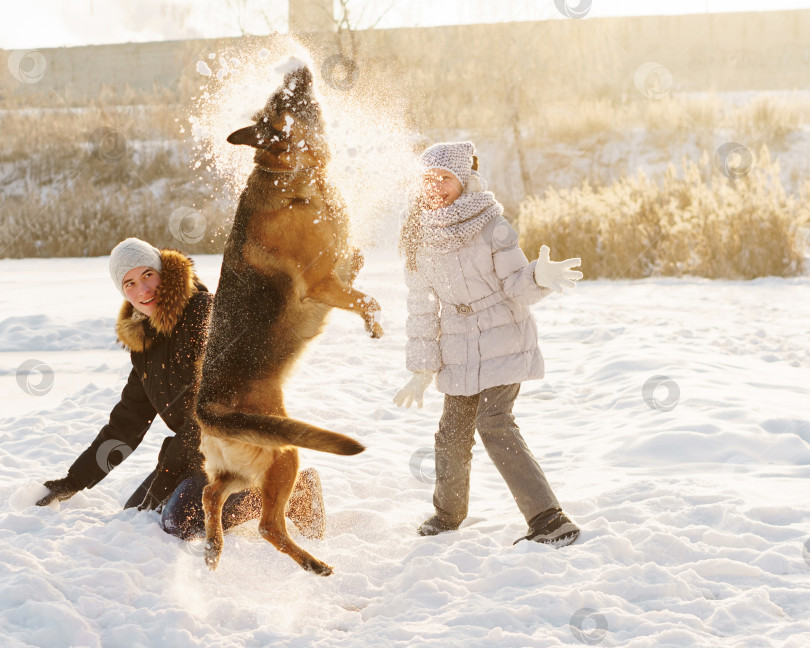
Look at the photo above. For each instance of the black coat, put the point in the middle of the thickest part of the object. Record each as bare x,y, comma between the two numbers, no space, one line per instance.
165,349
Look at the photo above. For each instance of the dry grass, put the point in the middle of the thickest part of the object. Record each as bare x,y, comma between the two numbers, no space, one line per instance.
77,179
763,119
78,217
769,120
694,222
57,199
575,122
65,201
29,131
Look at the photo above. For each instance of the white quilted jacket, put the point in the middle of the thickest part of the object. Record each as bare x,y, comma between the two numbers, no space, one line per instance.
467,314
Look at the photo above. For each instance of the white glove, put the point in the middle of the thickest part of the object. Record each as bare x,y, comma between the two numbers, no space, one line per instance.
414,390
556,275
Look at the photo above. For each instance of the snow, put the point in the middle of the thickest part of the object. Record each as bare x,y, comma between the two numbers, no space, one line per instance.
292,64
202,68
694,512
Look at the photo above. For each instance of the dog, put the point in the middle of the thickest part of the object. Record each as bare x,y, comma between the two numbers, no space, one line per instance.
287,263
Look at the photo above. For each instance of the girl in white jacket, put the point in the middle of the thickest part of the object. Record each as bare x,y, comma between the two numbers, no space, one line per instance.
469,287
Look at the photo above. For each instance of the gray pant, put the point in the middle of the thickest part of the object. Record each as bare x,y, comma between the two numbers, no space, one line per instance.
490,412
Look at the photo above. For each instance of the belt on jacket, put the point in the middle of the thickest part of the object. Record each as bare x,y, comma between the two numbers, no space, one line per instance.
480,304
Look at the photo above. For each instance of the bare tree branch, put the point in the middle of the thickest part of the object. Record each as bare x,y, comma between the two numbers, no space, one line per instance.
240,7
382,15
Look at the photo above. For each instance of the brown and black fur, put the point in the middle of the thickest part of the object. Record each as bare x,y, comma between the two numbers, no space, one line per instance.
281,275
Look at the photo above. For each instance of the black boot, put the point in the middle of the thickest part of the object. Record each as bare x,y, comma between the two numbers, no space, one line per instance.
551,527
434,525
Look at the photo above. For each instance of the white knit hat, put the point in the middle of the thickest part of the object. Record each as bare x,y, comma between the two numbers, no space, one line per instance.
455,157
132,253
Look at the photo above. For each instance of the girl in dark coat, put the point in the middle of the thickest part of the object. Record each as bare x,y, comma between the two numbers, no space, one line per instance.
163,325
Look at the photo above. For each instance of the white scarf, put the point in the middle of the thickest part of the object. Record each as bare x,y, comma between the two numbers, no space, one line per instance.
449,228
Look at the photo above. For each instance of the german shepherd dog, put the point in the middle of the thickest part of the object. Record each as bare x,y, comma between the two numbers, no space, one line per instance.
281,275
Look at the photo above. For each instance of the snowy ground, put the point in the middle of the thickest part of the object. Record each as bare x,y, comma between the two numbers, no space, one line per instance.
693,500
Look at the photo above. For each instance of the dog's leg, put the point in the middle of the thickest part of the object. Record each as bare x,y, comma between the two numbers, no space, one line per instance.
276,489
214,496
335,293
355,265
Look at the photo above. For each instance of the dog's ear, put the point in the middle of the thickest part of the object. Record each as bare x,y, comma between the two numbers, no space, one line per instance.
248,136
475,163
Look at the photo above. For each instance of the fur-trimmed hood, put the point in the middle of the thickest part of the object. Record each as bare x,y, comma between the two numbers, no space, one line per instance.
178,284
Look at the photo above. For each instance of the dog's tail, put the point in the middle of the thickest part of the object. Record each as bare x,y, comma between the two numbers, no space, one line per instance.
272,431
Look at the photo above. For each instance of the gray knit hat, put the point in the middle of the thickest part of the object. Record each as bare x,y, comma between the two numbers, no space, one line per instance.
132,253
455,157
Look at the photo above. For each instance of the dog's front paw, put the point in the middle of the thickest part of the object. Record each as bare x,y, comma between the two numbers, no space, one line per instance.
373,326
375,330
372,318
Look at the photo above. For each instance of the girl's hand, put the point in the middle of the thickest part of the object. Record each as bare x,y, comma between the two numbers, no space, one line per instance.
414,390
556,275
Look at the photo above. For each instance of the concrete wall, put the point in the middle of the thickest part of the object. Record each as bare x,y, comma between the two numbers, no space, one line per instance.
556,58
311,15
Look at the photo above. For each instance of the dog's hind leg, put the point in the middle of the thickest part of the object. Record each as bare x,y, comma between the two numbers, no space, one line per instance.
214,495
276,488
